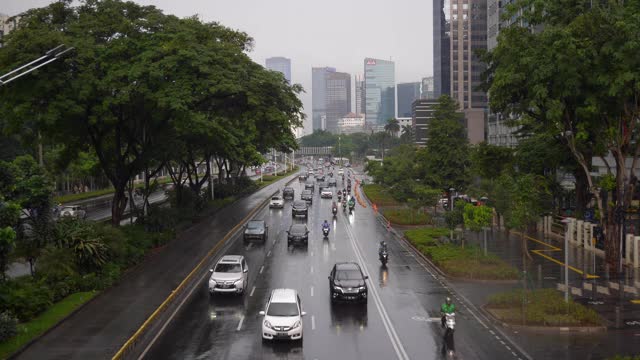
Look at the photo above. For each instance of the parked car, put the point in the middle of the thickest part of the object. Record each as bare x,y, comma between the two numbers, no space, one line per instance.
276,202
347,282
326,193
297,233
300,208
309,185
288,193
230,275
332,182
73,211
307,196
283,316
256,229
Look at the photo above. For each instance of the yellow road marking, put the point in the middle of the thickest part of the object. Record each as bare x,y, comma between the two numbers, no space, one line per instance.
553,248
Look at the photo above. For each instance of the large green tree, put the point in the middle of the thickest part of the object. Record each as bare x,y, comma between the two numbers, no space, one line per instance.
578,77
444,163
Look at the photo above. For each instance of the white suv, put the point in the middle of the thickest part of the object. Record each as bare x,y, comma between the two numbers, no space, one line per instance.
283,316
230,275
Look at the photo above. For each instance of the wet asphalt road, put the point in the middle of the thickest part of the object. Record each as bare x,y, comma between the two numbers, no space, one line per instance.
396,323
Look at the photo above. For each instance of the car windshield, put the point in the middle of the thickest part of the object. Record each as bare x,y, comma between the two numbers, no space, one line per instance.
348,275
255,224
283,309
228,268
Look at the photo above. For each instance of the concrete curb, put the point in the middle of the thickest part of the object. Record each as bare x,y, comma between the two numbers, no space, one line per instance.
544,329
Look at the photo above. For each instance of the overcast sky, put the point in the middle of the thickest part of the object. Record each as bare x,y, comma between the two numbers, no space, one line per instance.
336,33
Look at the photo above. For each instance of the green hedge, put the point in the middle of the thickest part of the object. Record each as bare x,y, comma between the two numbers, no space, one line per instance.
28,330
544,307
379,196
406,216
69,198
468,262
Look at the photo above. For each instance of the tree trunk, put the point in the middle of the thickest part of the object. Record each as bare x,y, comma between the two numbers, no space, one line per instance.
118,204
612,242
582,192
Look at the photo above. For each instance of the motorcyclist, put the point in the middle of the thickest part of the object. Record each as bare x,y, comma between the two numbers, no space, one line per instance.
447,308
334,208
382,247
325,225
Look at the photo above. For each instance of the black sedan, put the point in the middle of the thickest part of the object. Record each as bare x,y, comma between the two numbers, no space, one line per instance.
300,208
347,282
298,233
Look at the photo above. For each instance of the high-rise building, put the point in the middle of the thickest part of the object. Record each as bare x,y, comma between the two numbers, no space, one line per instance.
407,93
422,115
380,91
338,98
281,64
441,47
462,26
428,89
360,95
319,96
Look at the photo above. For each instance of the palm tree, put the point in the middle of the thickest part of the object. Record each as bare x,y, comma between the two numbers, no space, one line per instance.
408,134
392,127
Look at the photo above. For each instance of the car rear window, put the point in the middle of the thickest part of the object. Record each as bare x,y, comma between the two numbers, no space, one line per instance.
275,198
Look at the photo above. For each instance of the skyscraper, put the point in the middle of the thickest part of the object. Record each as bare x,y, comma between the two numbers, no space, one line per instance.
281,64
462,28
407,93
319,96
338,98
428,90
360,95
441,47
380,91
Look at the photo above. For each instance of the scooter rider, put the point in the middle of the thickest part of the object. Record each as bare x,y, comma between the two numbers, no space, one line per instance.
382,247
447,308
325,225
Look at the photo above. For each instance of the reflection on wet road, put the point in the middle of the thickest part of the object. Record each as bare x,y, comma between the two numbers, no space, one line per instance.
397,322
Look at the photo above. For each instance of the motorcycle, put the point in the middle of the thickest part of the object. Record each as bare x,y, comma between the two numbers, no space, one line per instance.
325,232
339,198
450,323
344,206
352,205
334,210
384,257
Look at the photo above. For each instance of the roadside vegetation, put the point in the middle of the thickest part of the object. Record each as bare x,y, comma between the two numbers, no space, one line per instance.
542,307
406,216
270,179
378,195
467,262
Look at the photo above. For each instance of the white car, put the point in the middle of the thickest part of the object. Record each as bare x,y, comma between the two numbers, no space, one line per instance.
230,275
326,193
283,316
276,202
73,211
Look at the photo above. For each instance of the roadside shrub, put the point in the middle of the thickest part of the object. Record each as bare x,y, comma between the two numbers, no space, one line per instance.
8,326
115,241
56,266
406,216
378,195
26,297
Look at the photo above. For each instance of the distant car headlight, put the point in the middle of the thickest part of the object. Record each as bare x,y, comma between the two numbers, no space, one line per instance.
268,324
336,287
296,325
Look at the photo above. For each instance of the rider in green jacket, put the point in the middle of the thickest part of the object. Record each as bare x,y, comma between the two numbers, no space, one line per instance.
447,308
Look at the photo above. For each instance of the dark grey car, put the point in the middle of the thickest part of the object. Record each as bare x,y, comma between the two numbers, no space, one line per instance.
307,196
300,208
298,233
288,193
309,185
256,229
347,282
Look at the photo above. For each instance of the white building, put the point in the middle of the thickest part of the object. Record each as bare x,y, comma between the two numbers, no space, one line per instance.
6,25
351,123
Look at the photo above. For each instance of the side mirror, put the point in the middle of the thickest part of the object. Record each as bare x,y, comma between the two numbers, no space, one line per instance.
245,270
210,270
366,277
261,313
303,313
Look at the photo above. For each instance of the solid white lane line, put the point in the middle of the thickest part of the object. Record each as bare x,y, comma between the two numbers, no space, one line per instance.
313,322
391,332
261,269
249,246
311,270
312,291
269,253
240,323
252,290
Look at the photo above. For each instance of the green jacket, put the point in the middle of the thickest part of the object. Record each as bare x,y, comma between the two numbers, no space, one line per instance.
448,309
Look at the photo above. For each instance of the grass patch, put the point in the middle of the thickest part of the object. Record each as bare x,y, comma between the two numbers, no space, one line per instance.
469,262
270,179
406,216
31,329
379,196
69,198
543,307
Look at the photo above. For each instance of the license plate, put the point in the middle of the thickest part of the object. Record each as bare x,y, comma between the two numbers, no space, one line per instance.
282,334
